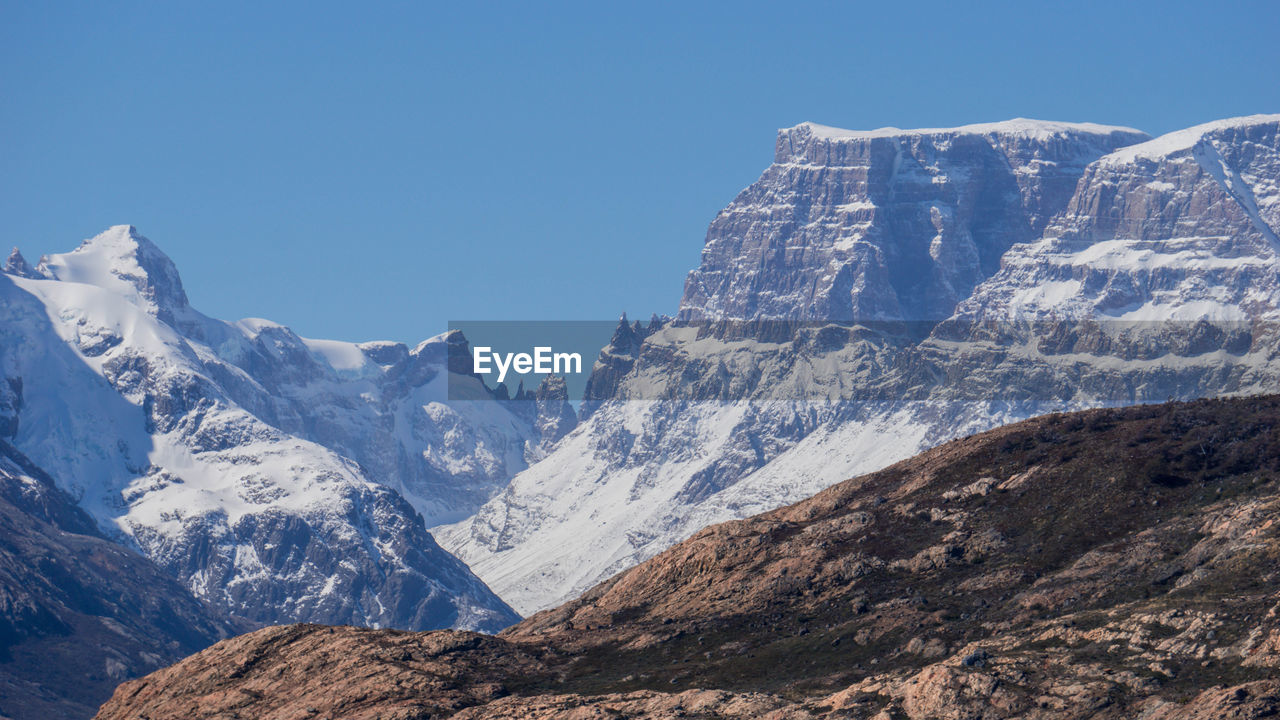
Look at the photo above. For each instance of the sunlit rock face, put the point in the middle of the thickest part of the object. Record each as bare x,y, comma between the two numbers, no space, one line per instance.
889,224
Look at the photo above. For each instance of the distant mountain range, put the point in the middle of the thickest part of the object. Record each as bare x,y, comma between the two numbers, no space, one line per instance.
872,295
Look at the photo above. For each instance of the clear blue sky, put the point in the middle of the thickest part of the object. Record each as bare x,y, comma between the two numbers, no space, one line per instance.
363,171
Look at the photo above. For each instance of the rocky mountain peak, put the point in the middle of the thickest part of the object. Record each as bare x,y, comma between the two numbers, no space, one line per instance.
616,360
1179,228
18,265
450,348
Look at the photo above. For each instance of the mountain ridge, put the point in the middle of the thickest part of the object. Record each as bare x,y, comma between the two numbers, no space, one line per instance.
237,456
260,467
1006,127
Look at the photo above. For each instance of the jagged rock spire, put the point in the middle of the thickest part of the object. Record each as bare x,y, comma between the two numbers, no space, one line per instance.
18,265
556,417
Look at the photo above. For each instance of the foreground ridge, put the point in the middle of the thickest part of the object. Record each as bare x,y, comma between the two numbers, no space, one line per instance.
1102,564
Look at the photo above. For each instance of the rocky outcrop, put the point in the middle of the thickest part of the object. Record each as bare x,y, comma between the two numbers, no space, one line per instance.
10,406
1104,564
555,417
304,671
17,265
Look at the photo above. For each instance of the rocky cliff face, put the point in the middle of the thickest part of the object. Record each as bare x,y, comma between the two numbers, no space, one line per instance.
279,477
889,224
1104,564
1161,279
79,614
834,327
1178,228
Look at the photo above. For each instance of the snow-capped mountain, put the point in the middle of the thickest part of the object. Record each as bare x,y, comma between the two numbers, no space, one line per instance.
887,224
876,293
283,478
872,294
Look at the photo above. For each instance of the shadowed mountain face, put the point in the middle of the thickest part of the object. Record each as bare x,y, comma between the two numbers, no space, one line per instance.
1102,564
78,613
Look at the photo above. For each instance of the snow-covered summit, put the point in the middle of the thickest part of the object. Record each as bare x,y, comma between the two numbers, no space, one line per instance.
440,339
1178,229
1185,139
1021,140
887,225
1023,127
284,478
124,262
